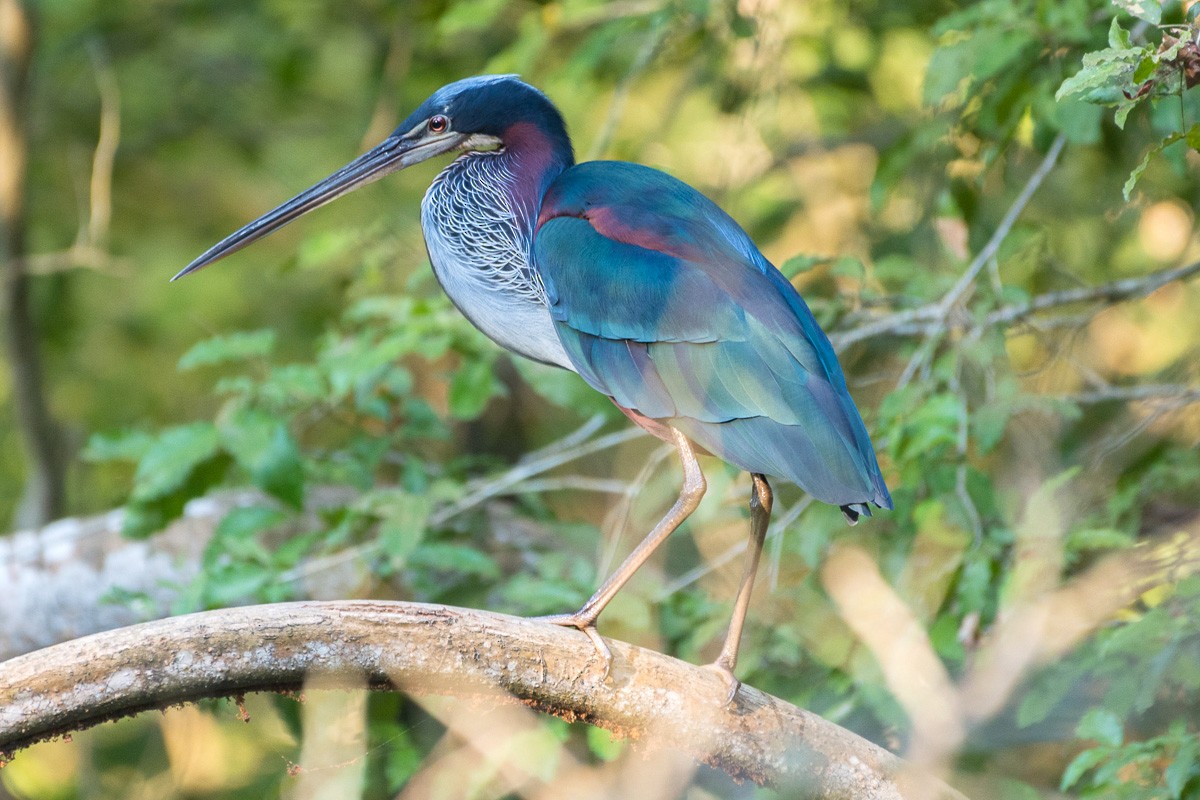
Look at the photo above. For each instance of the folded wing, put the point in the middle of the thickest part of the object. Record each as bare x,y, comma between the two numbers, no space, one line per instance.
662,302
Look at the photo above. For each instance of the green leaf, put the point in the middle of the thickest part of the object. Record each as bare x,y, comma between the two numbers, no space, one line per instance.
1048,691
933,424
1145,69
1190,136
280,471
449,557
263,446
235,583
1122,112
128,446
404,525
1118,37
147,513
848,267
604,744
1097,539
799,264
1109,69
1101,725
981,56
988,424
355,365
236,537
247,521
743,27
1182,766
1148,10
473,384
1081,764
535,594
469,15
948,68
168,462
241,346
563,388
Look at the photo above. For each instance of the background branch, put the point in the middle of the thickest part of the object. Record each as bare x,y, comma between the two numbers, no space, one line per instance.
44,496
930,319
657,700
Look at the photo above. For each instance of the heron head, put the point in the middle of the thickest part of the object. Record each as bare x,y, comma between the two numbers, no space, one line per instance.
473,114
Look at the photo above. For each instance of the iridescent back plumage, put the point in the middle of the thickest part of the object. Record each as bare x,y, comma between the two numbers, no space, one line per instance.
664,303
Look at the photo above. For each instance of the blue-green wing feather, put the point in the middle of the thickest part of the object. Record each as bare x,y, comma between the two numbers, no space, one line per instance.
663,303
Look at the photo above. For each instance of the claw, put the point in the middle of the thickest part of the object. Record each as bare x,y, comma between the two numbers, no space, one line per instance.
732,684
588,626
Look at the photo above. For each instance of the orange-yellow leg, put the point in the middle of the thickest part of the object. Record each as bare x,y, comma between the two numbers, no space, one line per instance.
761,499
689,498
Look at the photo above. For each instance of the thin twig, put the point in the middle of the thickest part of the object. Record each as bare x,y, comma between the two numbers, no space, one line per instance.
924,321
940,310
610,12
584,483
963,440
573,439
733,551
522,471
1005,227
1113,292
80,255
1172,394
775,535
617,522
100,186
480,491
397,60
645,54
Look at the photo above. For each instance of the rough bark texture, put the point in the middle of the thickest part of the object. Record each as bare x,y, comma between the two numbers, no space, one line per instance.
663,702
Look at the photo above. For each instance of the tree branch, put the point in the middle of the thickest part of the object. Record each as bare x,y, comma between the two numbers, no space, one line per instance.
1112,292
992,247
939,312
928,320
1171,395
658,700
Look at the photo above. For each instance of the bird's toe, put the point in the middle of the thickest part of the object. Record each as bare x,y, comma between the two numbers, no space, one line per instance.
588,627
732,684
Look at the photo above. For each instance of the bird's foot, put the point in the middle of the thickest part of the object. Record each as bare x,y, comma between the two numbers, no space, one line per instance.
732,684
588,626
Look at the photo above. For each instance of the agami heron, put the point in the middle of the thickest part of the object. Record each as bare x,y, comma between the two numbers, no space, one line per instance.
638,283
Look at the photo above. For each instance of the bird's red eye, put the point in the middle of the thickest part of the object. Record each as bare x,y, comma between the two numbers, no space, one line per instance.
438,124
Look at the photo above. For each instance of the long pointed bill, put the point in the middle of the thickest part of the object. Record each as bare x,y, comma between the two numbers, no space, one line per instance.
394,153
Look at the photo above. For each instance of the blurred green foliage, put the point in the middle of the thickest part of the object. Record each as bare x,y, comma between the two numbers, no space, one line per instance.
872,150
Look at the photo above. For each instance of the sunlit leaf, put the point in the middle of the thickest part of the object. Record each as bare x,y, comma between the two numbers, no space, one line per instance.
1147,10
1097,539
473,384
1183,766
263,446
797,265
1101,725
231,347
1080,765
450,557
129,446
167,463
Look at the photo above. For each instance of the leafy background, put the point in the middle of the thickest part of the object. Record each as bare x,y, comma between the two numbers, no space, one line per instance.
983,203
